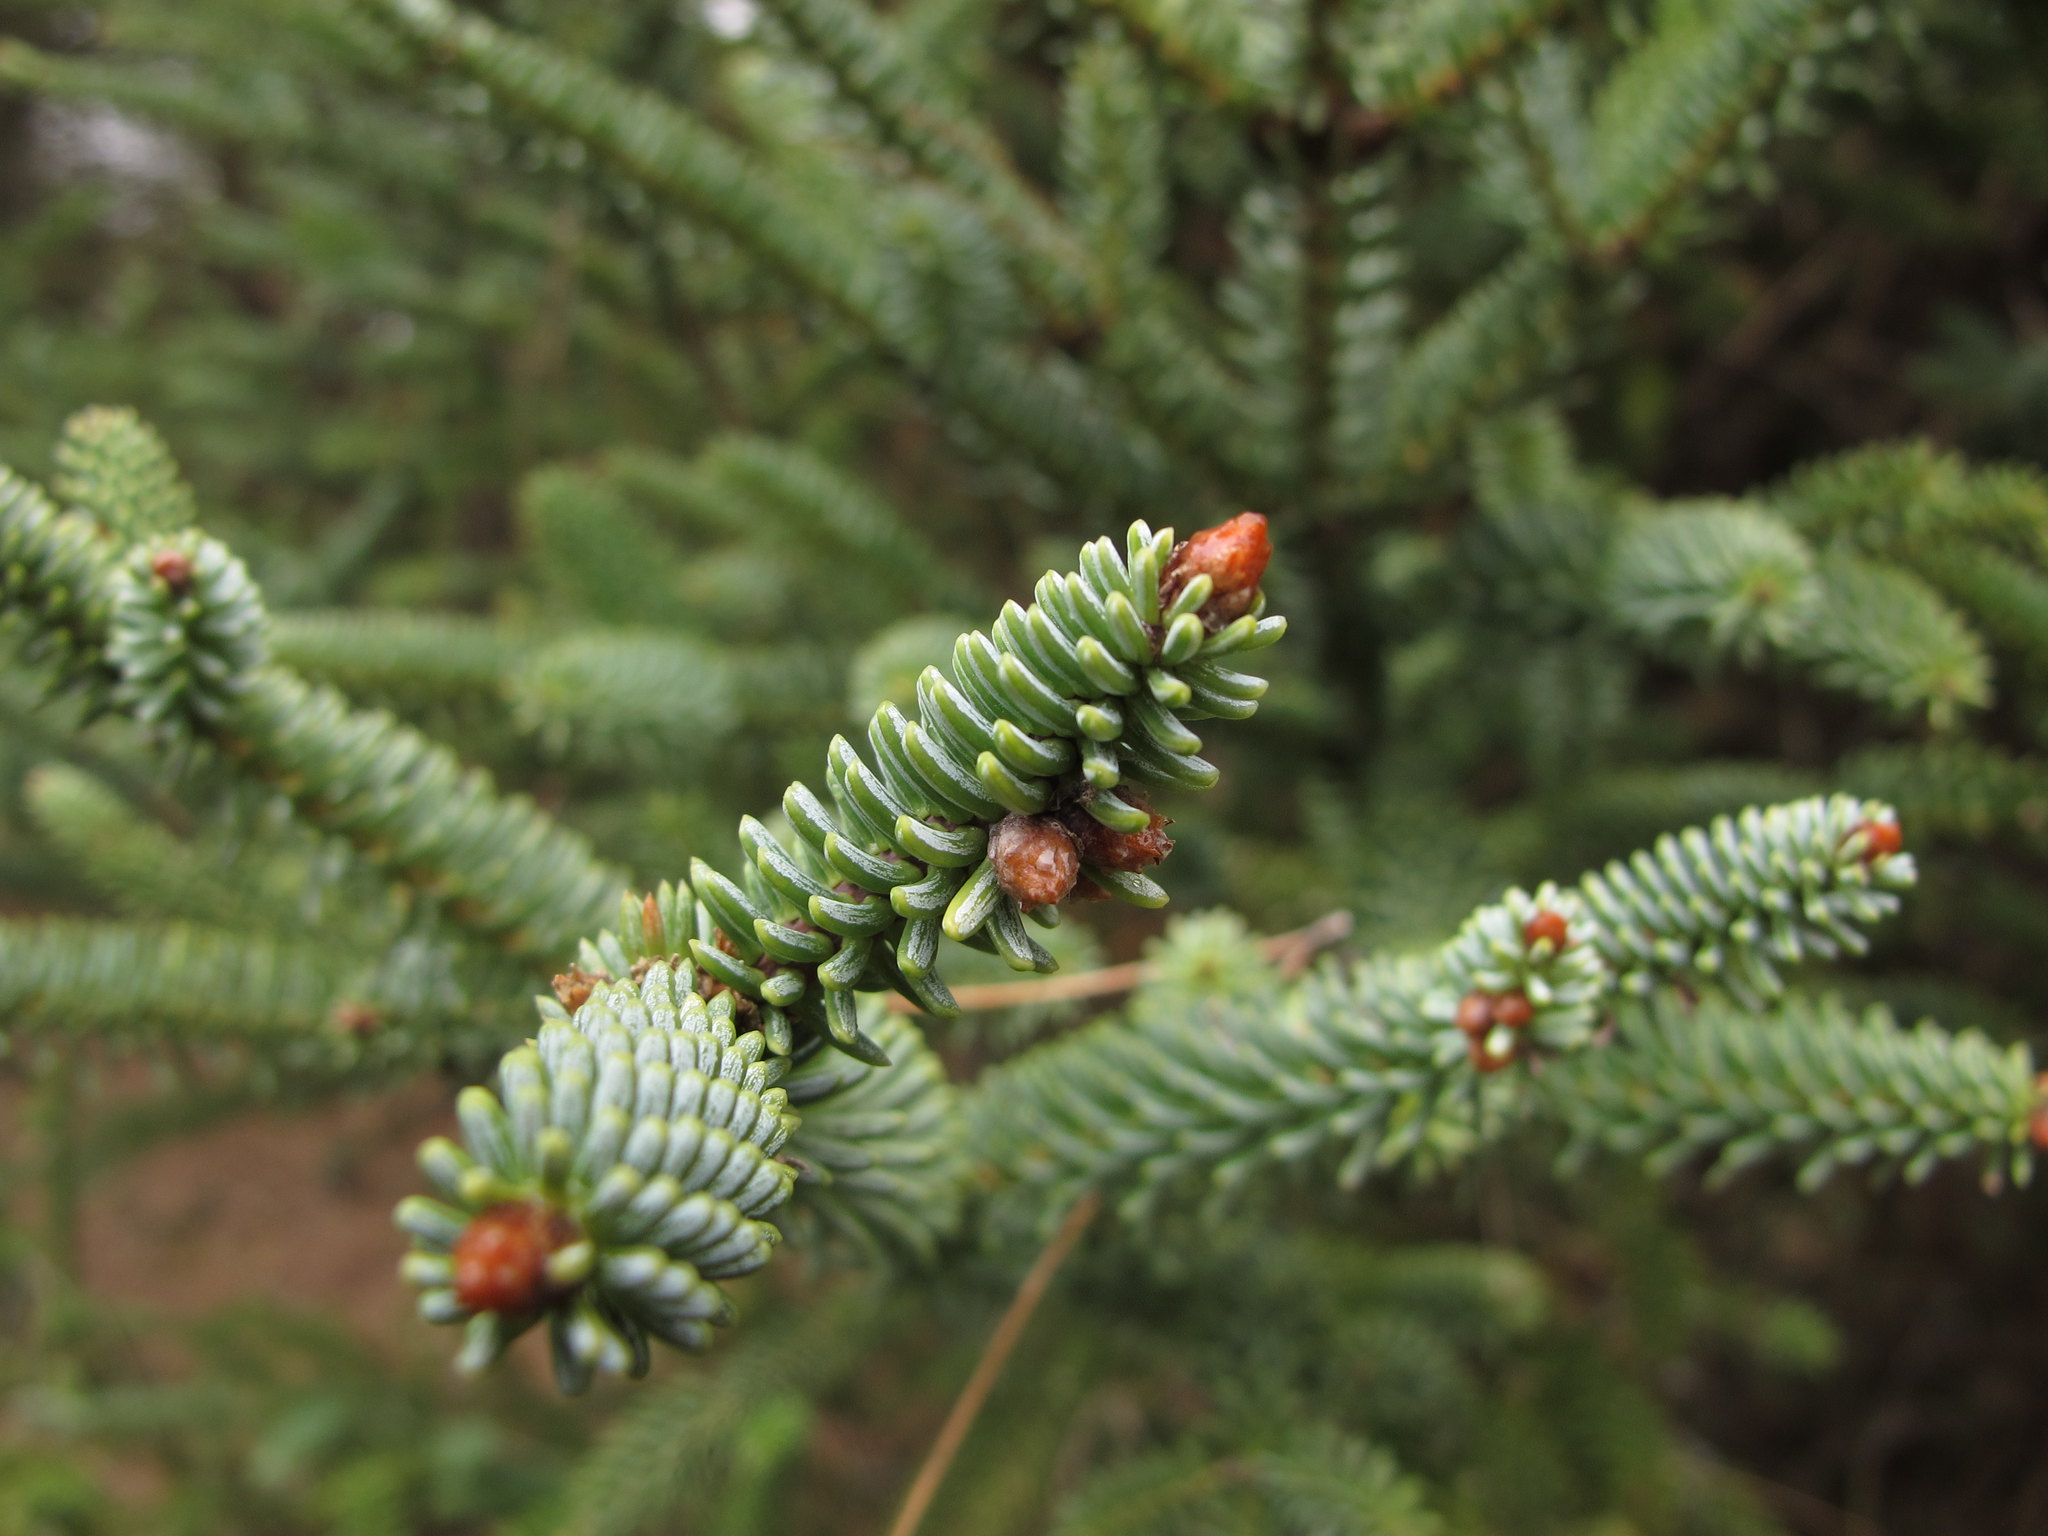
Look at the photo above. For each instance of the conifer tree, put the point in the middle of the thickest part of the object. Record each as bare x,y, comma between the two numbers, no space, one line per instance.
714,345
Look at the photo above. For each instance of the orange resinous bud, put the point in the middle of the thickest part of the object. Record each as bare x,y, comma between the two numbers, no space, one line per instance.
1233,556
502,1256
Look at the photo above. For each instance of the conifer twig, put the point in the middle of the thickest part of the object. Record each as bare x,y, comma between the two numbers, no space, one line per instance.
994,1355
1290,951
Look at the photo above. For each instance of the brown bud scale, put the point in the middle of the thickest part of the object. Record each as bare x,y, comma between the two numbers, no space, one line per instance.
1125,852
1036,862
574,986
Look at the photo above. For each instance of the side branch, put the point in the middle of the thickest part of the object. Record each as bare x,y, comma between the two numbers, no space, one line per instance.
994,1356
1291,952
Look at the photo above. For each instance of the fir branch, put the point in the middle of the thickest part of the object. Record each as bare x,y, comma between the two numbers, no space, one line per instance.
1263,301
1040,408
113,464
170,96
1954,785
1401,1060
1811,1079
1042,732
1728,903
788,491
140,865
1511,323
1323,1482
1238,53
1633,805
588,542
1539,551
1337,1483
386,651
1431,53
629,1164
602,698
1978,534
636,1148
2001,594
1910,497
1525,458
1098,270
1669,110
1136,1495
145,981
1371,312
1343,1068
55,575
260,110
186,633
172,632
1735,573
1883,633
655,1457
1540,110
632,1155
501,867
1742,581
1112,166
1116,187
1178,387
883,1159
594,698
914,113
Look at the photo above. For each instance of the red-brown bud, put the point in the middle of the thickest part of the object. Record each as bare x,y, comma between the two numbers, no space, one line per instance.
501,1258
2037,1122
1232,555
1547,924
1036,862
1485,1058
172,567
1475,1014
1881,839
1513,1009
357,1020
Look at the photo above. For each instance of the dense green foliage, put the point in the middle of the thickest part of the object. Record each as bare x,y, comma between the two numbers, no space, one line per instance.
467,459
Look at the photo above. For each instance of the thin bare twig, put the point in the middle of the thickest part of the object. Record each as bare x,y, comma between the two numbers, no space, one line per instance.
1290,951
1805,1506
967,1406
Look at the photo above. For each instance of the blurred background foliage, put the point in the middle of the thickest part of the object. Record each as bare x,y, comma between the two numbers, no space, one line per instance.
596,490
